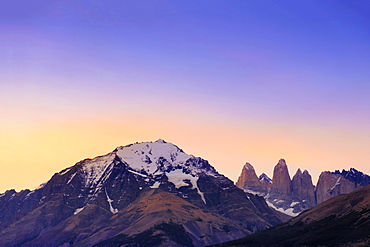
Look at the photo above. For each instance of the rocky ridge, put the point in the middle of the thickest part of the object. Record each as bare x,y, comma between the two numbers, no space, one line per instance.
340,221
293,196
74,206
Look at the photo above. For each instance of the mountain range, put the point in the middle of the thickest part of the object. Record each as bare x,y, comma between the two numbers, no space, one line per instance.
341,221
293,196
154,194
143,194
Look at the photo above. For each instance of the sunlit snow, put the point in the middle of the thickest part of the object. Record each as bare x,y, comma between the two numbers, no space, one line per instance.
145,156
147,159
95,169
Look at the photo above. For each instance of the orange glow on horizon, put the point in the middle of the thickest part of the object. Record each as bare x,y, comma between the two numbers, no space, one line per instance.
31,155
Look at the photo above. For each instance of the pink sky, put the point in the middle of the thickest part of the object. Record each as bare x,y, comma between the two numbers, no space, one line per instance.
231,82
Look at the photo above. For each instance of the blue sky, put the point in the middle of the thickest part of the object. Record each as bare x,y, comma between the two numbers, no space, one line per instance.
294,73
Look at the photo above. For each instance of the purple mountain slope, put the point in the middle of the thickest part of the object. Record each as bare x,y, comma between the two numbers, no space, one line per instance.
73,207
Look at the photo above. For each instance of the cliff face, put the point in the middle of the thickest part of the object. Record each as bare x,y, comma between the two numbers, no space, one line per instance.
303,190
281,193
340,221
331,185
281,189
292,196
249,182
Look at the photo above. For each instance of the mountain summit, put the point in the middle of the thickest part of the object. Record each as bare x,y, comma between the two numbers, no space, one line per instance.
149,193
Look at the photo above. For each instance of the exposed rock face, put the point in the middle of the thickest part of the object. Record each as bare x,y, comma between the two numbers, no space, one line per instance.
355,176
74,206
294,196
303,190
249,182
290,196
15,205
266,182
156,212
340,221
281,189
331,185
264,177
281,193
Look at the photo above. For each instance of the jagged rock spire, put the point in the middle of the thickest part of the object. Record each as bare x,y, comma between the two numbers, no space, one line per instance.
281,183
294,196
249,182
303,189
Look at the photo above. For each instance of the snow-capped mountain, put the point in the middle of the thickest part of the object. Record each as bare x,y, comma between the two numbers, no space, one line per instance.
74,206
149,164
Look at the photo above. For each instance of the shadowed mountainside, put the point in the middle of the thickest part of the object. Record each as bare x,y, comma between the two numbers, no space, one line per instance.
151,187
340,221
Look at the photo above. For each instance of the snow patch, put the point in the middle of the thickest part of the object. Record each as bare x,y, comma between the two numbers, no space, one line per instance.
336,183
28,195
97,170
155,185
113,210
78,210
251,201
294,203
180,179
264,177
142,175
160,157
65,171
288,211
254,192
73,175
